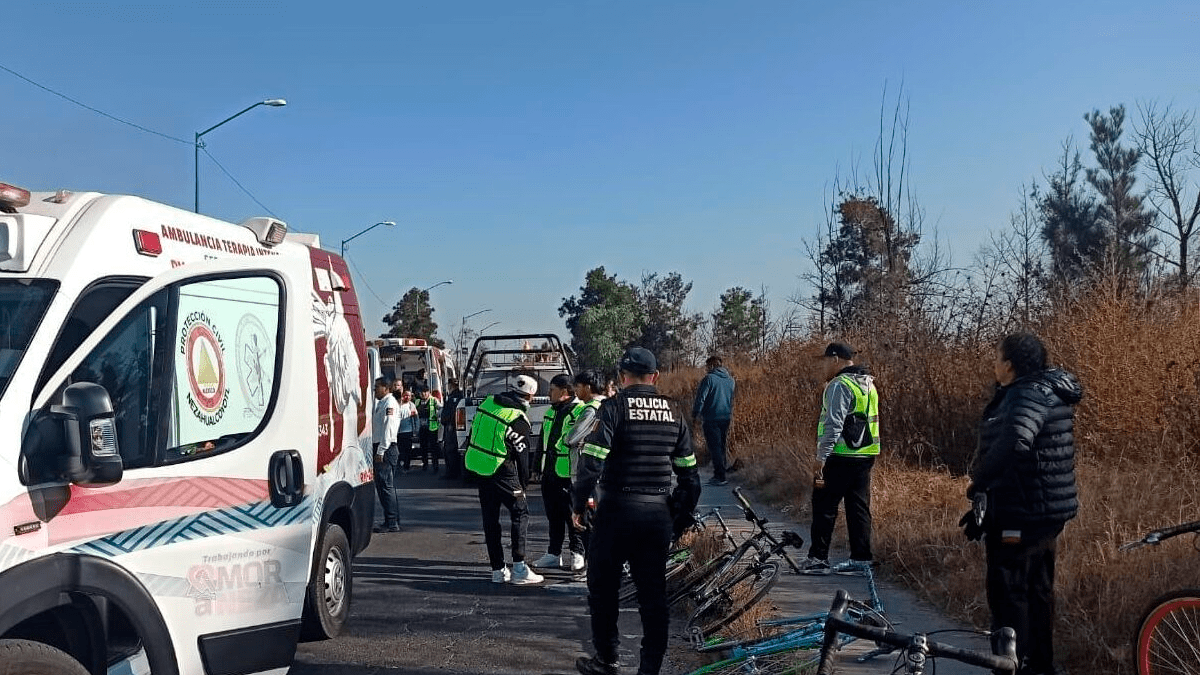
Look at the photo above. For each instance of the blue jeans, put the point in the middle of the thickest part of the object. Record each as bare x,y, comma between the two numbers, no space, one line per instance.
716,435
385,485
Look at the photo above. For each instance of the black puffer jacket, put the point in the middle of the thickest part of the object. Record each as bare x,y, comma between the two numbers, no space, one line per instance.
1025,460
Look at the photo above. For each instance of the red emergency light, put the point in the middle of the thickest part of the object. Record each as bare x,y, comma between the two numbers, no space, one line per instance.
413,342
147,243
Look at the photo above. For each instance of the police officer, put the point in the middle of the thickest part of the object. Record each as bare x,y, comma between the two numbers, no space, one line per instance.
498,455
641,437
450,433
429,410
556,478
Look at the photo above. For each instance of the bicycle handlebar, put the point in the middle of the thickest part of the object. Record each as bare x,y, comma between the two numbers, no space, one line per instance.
1004,643
1155,537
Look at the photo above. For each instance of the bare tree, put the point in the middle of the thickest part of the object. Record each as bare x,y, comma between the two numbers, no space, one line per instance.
1167,141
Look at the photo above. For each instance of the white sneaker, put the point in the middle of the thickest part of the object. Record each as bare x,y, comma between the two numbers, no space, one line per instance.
521,574
548,560
501,575
577,562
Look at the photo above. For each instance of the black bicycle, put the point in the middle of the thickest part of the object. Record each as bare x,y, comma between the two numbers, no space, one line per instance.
723,588
916,648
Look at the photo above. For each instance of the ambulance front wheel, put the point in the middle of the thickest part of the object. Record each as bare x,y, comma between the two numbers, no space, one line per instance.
25,657
327,603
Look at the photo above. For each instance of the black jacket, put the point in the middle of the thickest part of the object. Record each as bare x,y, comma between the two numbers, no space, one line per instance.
1025,460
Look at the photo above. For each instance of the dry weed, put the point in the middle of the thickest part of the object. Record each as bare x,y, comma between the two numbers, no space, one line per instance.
1138,441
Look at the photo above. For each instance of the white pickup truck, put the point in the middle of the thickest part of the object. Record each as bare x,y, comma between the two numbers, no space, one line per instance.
497,360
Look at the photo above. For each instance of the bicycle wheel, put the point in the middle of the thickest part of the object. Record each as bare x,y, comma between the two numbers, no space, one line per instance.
1168,636
695,577
797,661
677,561
733,597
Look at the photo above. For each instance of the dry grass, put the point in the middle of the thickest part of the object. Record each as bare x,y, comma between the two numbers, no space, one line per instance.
1138,438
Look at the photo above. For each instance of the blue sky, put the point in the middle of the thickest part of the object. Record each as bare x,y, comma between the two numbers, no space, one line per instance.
520,144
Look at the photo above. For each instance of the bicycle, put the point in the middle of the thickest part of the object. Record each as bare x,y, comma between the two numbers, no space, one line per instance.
916,648
783,652
1168,635
726,587
677,560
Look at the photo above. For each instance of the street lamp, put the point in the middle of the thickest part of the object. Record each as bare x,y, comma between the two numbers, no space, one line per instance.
426,290
462,333
484,329
273,102
389,223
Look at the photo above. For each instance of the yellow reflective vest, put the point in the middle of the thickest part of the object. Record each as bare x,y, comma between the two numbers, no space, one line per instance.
487,447
866,403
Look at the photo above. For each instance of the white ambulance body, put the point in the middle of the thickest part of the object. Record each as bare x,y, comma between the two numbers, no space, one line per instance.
408,358
184,432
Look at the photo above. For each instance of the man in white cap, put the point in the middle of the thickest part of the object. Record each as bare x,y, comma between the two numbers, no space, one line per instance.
498,455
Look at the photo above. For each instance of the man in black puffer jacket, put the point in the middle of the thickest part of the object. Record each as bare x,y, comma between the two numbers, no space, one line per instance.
1025,464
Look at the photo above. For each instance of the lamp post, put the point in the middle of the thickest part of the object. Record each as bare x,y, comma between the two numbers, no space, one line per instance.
273,102
462,333
424,291
389,223
484,329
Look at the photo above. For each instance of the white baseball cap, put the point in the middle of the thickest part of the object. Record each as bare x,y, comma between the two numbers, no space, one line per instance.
524,384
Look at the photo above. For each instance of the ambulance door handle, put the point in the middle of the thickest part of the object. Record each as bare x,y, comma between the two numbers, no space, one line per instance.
285,478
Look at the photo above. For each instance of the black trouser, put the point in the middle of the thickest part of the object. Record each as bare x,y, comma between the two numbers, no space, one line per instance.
716,437
385,485
405,440
849,479
491,498
556,497
430,450
450,452
634,529
1020,591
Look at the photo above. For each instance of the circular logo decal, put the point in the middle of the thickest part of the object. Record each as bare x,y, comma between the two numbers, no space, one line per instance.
255,359
206,367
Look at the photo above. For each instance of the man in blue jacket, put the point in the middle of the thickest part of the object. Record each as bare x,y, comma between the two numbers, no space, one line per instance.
714,405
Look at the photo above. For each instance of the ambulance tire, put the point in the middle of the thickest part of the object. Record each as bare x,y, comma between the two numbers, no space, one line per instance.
327,602
25,657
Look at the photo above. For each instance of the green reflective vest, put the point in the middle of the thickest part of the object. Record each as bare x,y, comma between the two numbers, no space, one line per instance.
547,424
486,447
431,405
562,452
865,403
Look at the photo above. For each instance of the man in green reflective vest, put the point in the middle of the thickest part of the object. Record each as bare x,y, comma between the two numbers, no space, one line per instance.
847,445
498,456
429,410
556,478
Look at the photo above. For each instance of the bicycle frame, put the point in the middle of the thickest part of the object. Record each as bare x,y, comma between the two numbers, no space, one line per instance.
917,647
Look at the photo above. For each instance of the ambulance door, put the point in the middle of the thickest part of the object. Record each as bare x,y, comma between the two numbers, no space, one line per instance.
211,513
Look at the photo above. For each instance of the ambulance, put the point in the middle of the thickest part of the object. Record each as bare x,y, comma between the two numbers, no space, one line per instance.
416,362
185,474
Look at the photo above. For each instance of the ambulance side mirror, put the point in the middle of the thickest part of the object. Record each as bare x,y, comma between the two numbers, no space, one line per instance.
75,441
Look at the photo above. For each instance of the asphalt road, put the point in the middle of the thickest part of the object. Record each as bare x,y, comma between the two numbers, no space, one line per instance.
424,601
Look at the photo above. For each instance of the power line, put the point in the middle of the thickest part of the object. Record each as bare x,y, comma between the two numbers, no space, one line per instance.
235,181
139,127
95,110
363,278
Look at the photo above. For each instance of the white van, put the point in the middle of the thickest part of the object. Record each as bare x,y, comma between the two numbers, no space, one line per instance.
184,438
415,362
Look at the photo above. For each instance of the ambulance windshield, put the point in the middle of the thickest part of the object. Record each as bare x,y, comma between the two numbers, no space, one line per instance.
23,302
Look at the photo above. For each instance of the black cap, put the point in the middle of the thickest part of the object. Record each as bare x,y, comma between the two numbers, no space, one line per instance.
638,361
840,350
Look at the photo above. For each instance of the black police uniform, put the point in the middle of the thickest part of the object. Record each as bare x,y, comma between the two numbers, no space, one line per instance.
641,437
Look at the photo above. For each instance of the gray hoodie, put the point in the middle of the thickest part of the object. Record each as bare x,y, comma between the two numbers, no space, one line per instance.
839,403
714,396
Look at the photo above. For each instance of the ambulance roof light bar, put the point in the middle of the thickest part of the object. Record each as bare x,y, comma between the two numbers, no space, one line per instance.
269,231
12,198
